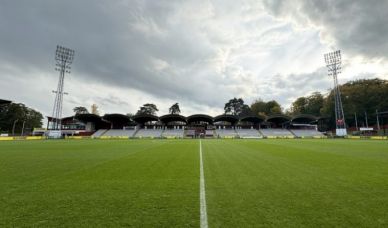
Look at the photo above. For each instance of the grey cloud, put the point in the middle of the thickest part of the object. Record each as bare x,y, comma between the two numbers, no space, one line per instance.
286,88
108,47
199,53
358,27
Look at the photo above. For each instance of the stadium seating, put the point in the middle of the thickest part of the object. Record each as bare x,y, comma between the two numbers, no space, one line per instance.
226,133
209,133
173,133
119,133
99,133
190,133
248,133
276,132
306,132
149,133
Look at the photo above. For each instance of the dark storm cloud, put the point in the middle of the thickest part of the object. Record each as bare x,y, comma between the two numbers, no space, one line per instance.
357,26
130,44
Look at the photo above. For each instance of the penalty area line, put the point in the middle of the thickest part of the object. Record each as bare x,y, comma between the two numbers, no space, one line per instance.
202,193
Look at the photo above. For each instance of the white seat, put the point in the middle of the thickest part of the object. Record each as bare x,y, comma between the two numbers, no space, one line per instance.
175,133
99,133
119,133
149,133
190,133
248,133
226,133
276,132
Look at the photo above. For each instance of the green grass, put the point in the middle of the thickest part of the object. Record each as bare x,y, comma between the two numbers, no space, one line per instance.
99,183
155,183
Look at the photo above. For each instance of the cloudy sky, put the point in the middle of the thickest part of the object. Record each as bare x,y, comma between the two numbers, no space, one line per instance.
197,53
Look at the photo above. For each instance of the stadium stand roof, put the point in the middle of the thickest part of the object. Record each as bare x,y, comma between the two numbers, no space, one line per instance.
4,102
252,119
116,117
143,118
227,118
172,118
88,117
278,119
118,121
304,119
199,118
321,118
93,118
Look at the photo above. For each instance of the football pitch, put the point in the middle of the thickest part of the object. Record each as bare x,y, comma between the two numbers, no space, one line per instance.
156,183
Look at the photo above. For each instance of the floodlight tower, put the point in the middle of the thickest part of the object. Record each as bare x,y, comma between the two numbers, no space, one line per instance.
64,57
333,63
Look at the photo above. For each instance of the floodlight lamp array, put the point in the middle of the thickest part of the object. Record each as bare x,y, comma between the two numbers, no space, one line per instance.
333,62
64,55
333,57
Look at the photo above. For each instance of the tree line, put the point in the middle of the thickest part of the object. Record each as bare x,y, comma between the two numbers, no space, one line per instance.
17,118
361,100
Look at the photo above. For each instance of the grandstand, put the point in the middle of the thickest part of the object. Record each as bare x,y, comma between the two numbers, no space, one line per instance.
173,125
276,127
199,126
149,126
194,126
224,126
70,126
305,126
248,125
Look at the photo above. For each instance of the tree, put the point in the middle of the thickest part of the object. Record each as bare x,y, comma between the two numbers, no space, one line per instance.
246,111
149,109
19,113
299,106
236,107
80,110
359,96
258,107
174,109
312,105
273,107
262,108
131,121
130,115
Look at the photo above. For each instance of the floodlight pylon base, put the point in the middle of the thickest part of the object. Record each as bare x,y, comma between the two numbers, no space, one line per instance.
341,131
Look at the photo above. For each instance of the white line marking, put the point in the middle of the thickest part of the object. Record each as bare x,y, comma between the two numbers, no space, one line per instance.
202,195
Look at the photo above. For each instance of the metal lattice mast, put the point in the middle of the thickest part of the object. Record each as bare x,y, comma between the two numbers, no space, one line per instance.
333,63
64,57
